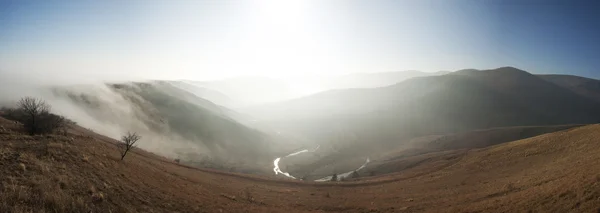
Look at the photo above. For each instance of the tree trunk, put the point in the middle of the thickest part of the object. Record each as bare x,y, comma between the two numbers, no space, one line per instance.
32,131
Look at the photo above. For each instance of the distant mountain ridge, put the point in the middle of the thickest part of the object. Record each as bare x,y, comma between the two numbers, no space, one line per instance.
248,91
374,79
348,120
202,92
459,101
585,87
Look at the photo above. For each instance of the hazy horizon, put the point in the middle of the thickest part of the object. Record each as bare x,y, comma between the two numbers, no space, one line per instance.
206,40
246,105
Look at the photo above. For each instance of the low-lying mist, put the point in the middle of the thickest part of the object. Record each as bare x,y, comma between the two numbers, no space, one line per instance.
172,122
189,120
185,120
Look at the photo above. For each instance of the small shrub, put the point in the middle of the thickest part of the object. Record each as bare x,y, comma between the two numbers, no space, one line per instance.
47,123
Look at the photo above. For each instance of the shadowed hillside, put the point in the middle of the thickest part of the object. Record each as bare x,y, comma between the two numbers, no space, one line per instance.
460,101
373,80
585,87
178,123
556,104
248,91
353,124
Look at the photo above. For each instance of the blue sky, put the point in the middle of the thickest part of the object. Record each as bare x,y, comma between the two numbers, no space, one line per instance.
213,39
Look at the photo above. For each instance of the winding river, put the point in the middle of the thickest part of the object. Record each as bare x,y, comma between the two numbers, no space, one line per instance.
277,170
276,162
344,175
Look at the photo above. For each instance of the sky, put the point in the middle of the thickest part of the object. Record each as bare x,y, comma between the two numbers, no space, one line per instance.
203,40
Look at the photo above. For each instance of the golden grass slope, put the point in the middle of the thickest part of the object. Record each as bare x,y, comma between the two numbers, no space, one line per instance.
81,172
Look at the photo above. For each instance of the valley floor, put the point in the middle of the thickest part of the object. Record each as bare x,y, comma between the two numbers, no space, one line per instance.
81,172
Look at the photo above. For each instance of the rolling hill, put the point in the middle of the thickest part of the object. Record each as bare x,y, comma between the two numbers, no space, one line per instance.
247,91
472,140
352,124
372,80
408,153
81,172
420,150
460,101
178,123
586,87
211,95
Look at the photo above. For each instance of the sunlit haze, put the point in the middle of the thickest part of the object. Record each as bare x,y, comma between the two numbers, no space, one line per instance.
299,106
203,40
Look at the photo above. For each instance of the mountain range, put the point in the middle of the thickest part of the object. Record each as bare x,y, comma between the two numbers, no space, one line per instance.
363,122
202,124
477,140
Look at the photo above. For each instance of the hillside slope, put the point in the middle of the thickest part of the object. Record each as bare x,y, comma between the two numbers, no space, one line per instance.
398,157
372,80
81,173
425,148
460,101
533,93
248,91
178,123
586,87
205,93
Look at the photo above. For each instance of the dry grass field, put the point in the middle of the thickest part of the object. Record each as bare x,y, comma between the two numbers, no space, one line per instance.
81,172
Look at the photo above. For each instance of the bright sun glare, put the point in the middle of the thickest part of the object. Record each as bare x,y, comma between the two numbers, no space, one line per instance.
282,12
283,41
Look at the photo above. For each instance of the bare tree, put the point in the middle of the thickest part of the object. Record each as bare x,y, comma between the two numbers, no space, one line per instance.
129,142
33,110
36,118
